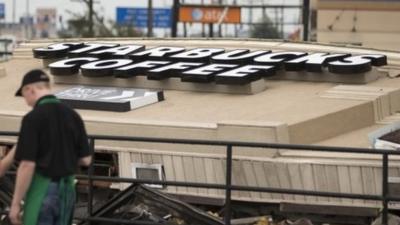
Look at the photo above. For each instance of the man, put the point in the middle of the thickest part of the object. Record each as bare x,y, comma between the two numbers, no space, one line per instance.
51,145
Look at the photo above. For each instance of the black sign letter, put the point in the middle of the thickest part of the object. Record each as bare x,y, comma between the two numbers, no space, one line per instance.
55,51
313,62
117,52
197,54
103,68
88,47
241,56
137,68
204,74
277,58
357,64
69,66
244,75
157,53
172,70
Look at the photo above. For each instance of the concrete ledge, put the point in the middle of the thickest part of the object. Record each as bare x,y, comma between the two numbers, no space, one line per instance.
171,83
325,76
331,125
275,132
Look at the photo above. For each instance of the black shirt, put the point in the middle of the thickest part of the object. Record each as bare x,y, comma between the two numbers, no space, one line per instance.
54,136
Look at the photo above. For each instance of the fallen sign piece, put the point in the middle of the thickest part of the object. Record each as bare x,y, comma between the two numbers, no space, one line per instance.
108,98
387,137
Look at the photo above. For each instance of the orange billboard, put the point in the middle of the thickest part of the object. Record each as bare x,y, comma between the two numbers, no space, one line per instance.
209,14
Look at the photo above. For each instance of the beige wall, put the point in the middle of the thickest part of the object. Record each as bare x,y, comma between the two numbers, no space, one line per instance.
375,29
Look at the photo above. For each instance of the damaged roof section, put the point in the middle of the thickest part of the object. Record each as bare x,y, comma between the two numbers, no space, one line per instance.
142,204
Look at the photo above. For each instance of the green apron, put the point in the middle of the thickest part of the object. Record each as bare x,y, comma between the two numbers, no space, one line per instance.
38,189
37,192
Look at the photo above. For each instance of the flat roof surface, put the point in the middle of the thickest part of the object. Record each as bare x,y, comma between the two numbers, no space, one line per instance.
283,101
290,102
322,113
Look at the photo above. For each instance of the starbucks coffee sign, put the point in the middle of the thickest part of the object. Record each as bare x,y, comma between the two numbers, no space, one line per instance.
200,69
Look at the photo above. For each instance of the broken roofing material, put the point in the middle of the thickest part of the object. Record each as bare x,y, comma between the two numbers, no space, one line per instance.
387,137
139,203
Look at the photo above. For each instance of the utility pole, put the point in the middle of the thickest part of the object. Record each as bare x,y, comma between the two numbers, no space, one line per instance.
220,25
203,33
27,35
250,15
150,18
175,18
91,33
13,13
236,26
184,25
306,18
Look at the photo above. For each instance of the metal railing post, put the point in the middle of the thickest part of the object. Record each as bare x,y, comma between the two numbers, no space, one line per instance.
90,175
385,196
228,190
385,189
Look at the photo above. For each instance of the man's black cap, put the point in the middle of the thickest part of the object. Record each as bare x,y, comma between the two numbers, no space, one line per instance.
31,77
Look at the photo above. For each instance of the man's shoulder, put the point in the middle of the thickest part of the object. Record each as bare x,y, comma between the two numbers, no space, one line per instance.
66,109
69,109
46,109
33,114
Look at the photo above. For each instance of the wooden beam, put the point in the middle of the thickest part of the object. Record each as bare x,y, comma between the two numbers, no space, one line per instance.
328,209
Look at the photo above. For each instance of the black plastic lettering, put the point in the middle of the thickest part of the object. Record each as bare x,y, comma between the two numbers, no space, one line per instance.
117,52
158,53
69,66
206,73
103,68
245,74
55,51
172,70
312,63
137,68
240,56
277,58
197,55
89,47
357,64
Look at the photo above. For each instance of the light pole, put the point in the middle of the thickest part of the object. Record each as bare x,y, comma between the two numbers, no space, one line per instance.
306,18
27,34
175,18
13,13
150,18
91,32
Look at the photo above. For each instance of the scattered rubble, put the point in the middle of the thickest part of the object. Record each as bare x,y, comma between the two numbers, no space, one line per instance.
393,136
140,203
392,220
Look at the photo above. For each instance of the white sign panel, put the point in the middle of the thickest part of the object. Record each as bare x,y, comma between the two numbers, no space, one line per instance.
108,98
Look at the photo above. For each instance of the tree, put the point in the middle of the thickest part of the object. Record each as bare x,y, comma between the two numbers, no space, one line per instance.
79,25
265,29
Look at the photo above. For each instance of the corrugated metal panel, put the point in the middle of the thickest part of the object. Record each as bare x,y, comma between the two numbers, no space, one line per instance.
358,177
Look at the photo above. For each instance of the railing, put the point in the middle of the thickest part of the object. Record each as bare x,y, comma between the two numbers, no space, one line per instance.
385,198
